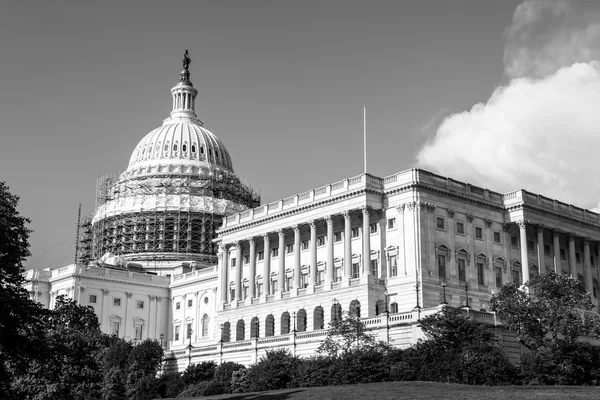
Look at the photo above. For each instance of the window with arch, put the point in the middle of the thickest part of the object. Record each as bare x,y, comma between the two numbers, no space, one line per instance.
226,332
175,147
301,320
270,325
184,147
201,149
205,321
336,312
318,318
285,323
240,330
254,327
354,309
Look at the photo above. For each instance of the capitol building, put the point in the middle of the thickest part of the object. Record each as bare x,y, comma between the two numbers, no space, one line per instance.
184,252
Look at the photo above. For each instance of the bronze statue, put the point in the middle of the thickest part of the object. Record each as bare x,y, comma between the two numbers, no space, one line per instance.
186,60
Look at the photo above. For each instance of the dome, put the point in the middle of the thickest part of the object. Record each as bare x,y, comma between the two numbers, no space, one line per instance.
182,143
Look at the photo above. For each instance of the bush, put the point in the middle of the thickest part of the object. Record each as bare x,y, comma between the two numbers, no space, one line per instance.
223,374
171,385
195,390
313,371
196,373
240,382
274,371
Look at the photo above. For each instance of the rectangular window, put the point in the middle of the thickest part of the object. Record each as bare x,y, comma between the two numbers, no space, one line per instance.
247,259
337,237
462,269
480,276
117,302
498,273
460,228
337,274
497,237
115,328
355,232
516,276
289,248
394,308
304,280
373,228
393,266
547,250
478,232
305,244
578,257
321,241
189,331
189,302
138,332
563,254
530,245
514,241
139,304
321,277
259,289
374,268
231,295
261,255
441,223
232,262
274,252
289,282
391,223
177,305
92,298
355,270
245,292
442,266
273,285
177,333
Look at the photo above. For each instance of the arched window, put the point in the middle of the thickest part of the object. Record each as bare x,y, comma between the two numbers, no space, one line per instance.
270,325
336,312
226,332
254,327
301,320
205,321
379,307
240,330
285,323
318,318
354,309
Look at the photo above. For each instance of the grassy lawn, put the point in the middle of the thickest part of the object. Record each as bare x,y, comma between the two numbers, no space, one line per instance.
422,390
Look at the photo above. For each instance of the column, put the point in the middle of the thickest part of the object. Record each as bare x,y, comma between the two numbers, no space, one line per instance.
267,264
252,268
127,297
347,244
587,267
556,247
524,259
366,233
313,252
540,249
105,323
329,275
572,261
239,265
281,274
222,265
296,256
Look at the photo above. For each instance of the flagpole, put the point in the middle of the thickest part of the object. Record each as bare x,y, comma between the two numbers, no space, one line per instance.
365,135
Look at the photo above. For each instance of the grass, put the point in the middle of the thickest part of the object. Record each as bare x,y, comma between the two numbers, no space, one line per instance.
421,390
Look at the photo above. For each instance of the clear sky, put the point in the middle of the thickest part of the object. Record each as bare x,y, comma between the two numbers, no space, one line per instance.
281,83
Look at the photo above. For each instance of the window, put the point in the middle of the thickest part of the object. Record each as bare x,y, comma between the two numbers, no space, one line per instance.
138,332
233,262
189,331
394,308
261,255
355,270
337,274
244,292
497,237
478,232
305,244
442,266
273,285
275,252
92,298
530,245
441,223
205,321
374,268
393,266
231,295
462,269
289,248
177,333
547,250
115,328
247,259
289,282
355,232
514,241
460,228
337,237
117,302
391,223
498,273
563,254
178,305
321,241
139,304
189,302
304,280
259,289
516,276
321,277
373,228
480,276
578,257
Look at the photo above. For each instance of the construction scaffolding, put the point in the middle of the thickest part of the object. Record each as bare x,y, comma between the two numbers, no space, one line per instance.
166,216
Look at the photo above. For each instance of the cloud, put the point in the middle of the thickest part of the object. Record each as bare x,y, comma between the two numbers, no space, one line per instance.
541,130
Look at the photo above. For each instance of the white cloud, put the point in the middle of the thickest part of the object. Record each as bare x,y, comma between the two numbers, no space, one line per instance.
540,131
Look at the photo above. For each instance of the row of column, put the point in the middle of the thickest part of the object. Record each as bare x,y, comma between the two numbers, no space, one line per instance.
224,262
184,100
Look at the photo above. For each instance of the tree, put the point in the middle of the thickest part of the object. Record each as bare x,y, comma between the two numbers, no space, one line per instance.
345,335
144,363
555,312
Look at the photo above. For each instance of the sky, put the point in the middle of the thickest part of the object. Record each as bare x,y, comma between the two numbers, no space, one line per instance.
502,94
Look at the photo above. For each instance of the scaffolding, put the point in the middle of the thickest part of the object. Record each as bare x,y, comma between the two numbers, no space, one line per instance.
167,216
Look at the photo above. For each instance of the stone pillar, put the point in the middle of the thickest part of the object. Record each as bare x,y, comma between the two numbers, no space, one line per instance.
313,252
281,277
267,264
296,256
347,244
587,267
524,259
252,268
222,265
572,261
105,324
540,249
366,231
329,274
239,265
556,247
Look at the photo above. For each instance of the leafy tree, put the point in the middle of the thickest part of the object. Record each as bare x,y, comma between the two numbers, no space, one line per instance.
345,335
201,372
273,371
144,363
556,310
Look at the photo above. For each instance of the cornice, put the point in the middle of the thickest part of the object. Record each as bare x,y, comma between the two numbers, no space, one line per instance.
100,278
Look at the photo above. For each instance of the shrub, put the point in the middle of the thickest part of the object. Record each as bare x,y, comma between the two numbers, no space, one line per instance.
223,374
197,373
313,371
274,371
171,385
240,382
194,390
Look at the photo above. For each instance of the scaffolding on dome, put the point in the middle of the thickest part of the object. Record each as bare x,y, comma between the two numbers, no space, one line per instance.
168,216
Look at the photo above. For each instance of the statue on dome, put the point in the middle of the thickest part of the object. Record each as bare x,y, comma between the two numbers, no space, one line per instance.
185,73
186,60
